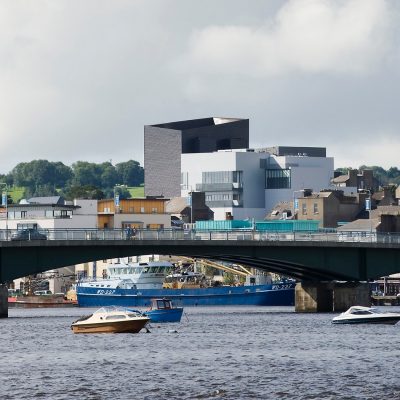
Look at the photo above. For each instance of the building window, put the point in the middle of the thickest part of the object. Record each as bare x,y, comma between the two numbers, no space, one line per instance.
222,177
304,208
278,178
154,210
315,208
142,210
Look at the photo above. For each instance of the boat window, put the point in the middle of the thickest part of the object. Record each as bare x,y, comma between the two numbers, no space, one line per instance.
115,317
145,270
139,270
167,304
361,312
160,304
130,270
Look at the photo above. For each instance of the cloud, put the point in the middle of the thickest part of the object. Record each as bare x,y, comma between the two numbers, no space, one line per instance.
310,36
78,80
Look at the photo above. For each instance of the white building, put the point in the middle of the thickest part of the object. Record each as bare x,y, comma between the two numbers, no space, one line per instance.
50,213
248,183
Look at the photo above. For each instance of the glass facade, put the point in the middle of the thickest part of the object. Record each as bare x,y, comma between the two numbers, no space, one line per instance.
278,179
222,188
222,177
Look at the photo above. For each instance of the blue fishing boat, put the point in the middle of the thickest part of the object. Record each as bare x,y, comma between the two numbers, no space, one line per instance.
135,285
162,310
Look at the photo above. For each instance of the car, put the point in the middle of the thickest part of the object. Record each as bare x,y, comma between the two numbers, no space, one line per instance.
28,234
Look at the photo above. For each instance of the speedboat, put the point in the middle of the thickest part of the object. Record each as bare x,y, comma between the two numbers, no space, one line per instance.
162,310
111,320
366,315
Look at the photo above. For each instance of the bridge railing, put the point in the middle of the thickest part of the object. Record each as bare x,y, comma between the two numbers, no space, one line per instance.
172,234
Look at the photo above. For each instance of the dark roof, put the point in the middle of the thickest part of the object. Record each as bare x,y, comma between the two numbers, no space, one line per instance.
47,200
195,123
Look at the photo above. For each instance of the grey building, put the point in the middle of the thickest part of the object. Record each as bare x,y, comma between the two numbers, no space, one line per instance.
165,143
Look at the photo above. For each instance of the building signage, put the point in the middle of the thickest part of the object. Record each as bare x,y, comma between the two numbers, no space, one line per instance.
116,200
368,204
4,199
296,204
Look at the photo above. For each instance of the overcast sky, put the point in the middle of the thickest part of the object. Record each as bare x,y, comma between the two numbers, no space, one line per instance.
80,79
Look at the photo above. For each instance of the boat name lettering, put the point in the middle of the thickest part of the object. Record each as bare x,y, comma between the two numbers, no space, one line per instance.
280,287
105,291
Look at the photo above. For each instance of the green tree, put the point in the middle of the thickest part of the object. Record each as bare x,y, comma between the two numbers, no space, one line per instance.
39,173
109,175
86,173
130,173
83,192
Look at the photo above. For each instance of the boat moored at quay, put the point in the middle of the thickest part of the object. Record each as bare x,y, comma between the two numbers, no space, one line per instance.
135,285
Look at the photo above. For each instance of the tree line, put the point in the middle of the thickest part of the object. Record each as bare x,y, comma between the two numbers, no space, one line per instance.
384,177
81,180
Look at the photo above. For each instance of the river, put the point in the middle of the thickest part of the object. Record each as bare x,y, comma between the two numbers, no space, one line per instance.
214,353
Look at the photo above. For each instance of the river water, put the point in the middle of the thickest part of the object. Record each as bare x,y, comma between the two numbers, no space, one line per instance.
214,353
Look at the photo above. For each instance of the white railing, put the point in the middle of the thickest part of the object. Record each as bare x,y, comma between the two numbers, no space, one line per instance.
171,234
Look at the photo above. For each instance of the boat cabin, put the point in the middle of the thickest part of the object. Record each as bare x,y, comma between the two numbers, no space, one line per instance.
161,304
185,280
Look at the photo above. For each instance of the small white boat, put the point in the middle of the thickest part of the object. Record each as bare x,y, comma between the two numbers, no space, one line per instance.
111,320
366,315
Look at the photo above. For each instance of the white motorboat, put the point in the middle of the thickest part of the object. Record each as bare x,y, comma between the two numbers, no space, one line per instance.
366,315
111,320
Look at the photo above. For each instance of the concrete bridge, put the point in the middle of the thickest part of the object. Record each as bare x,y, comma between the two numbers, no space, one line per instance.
312,258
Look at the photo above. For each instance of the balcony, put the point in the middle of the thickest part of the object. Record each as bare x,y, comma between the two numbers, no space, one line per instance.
224,203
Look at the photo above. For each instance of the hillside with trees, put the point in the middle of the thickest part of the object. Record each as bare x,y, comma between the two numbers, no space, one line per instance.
81,180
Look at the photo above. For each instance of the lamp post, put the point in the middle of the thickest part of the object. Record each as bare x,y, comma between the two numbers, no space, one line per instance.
4,201
368,206
294,201
116,196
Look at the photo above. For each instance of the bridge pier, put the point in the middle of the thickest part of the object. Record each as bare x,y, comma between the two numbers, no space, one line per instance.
330,296
3,301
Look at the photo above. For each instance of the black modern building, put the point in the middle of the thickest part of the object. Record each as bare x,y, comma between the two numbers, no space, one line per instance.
164,144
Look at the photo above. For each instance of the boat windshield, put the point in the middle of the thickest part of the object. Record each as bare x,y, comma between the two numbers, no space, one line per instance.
115,317
361,312
108,309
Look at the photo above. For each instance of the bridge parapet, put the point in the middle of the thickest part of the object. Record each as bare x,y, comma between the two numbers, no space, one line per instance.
171,234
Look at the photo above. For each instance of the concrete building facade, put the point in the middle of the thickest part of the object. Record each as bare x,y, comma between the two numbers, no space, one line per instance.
165,143
248,183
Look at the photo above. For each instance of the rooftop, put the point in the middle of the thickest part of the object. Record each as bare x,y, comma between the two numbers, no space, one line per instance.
196,123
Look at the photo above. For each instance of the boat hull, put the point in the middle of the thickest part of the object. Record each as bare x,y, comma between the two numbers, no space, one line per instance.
280,294
381,320
111,327
169,315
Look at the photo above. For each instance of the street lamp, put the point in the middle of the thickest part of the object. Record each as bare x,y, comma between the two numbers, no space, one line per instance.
296,207
368,205
116,196
4,202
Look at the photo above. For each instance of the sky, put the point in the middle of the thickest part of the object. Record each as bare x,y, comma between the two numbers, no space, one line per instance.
80,79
